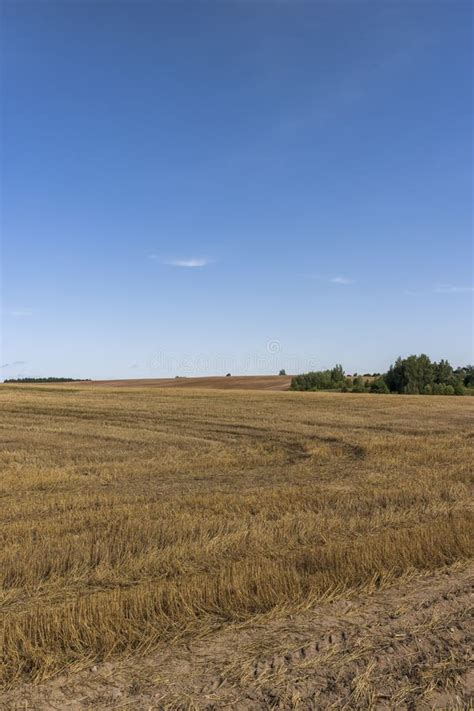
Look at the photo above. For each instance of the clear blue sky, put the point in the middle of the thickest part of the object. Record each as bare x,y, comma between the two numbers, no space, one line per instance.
196,187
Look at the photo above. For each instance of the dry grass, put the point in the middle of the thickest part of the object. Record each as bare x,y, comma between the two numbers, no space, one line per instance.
131,517
216,382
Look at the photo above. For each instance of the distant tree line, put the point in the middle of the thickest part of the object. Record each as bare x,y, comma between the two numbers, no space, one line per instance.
46,380
414,375
417,374
333,379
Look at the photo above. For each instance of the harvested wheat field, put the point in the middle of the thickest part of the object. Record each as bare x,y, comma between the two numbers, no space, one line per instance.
233,382
204,549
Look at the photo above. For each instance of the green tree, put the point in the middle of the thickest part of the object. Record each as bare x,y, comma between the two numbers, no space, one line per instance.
410,375
379,386
319,380
443,372
337,374
468,376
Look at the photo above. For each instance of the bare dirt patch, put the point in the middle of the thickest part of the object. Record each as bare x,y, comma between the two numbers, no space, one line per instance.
405,647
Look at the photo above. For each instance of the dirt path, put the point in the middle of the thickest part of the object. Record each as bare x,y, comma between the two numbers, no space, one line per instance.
407,647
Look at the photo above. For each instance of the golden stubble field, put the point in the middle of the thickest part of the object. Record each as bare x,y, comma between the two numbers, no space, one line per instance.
135,518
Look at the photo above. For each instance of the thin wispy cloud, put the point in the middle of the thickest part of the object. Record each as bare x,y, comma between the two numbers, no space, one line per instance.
188,263
341,280
332,280
15,362
191,263
444,289
21,313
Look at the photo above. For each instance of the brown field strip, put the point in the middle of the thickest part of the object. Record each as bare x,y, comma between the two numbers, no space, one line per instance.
234,382
136,517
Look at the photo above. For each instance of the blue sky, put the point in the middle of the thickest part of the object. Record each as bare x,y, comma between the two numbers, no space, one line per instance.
191,188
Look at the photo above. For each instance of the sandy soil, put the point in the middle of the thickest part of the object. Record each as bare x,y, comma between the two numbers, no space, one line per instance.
407,647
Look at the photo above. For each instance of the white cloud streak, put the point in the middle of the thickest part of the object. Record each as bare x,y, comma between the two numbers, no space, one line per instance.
454,289
331,280
341,280
21,313
191,263
188,263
